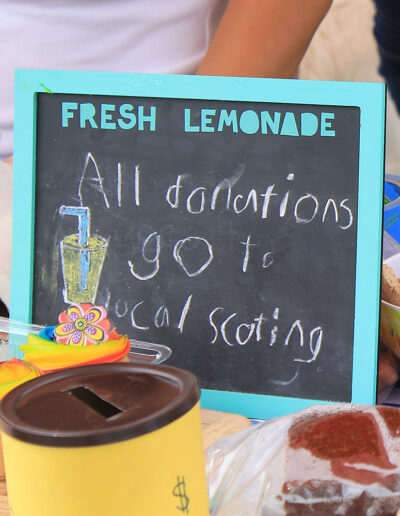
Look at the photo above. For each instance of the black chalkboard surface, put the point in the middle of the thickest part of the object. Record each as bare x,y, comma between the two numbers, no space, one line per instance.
225,229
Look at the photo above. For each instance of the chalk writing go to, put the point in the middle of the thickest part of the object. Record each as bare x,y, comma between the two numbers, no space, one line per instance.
152,248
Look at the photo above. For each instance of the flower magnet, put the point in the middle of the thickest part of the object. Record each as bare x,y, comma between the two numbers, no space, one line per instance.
82,325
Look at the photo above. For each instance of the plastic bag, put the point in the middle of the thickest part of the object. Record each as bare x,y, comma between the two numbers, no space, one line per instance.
243,470
327,459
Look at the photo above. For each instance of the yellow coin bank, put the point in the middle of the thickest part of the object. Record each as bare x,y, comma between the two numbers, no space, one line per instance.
105,439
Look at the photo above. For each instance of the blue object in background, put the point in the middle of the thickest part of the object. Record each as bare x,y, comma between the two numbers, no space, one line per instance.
387,35
391,212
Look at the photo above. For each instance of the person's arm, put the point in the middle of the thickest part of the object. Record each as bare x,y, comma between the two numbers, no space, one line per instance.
263,38
5,231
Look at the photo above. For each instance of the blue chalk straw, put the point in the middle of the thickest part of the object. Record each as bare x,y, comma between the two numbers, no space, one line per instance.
83,215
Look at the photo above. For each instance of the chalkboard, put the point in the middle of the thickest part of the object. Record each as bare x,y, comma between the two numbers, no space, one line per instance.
226,228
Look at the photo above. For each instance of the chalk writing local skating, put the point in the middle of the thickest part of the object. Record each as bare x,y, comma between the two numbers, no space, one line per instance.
229,329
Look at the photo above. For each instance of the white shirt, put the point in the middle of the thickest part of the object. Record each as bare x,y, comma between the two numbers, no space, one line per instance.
155,36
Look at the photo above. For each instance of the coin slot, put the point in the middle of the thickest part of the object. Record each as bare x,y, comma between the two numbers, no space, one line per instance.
92,400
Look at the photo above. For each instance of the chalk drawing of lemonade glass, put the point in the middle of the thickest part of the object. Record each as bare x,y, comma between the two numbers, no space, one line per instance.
82,258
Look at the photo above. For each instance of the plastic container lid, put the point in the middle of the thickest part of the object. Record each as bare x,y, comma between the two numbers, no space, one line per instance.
97,404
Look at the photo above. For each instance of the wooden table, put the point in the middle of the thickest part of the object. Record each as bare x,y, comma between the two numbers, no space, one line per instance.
215,426
3,499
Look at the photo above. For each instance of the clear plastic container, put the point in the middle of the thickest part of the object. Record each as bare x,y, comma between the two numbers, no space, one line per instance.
14,333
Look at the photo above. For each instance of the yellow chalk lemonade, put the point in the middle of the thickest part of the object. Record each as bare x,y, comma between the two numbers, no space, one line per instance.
105,439
82,258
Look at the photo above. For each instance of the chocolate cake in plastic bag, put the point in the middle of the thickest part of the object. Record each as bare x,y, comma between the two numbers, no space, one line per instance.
324,460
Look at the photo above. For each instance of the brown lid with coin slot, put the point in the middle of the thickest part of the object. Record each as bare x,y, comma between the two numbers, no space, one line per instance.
97,404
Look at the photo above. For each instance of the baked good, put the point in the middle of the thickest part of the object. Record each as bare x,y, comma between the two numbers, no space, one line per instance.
13,372
344,461
82,336
390,286
324,460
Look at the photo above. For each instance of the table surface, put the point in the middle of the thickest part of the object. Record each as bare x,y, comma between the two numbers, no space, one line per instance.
215,425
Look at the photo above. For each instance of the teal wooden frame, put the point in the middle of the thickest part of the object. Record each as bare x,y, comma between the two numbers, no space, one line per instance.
370,98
